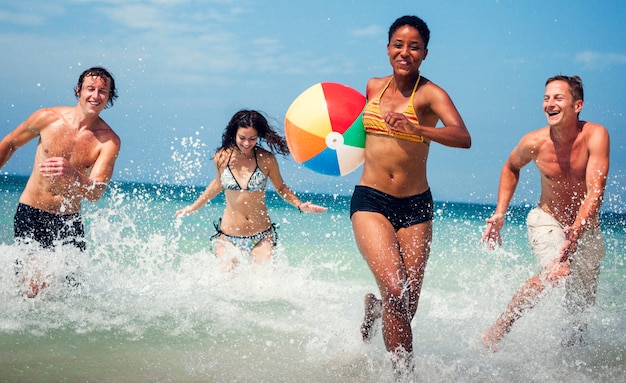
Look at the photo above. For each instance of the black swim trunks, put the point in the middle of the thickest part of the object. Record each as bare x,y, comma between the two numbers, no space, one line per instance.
401,212
48,229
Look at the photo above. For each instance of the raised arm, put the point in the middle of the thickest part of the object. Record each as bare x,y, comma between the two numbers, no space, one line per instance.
22,134
509,178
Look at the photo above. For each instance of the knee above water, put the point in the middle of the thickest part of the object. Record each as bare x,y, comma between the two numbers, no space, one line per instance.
396,300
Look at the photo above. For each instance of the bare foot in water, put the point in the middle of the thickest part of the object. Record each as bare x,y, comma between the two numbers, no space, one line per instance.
373,311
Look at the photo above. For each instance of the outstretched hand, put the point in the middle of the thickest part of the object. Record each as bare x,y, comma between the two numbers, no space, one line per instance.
184,211
492,232
308,207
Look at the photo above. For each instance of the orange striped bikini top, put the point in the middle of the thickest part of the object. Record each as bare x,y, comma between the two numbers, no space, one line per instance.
373,121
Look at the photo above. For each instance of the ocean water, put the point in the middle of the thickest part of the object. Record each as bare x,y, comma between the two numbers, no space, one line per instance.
155,306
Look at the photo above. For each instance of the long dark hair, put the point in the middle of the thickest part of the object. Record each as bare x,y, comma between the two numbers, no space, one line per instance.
251,118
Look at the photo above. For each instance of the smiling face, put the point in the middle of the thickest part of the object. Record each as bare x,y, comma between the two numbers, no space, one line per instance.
559,104
406,50
94,94
246,139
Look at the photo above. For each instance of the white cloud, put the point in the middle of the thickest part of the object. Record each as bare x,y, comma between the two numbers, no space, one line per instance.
370,31
27,16
593,59
137,16
20,18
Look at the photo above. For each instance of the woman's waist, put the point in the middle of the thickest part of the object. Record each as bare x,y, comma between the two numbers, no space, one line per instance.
395,188
244,225
397,183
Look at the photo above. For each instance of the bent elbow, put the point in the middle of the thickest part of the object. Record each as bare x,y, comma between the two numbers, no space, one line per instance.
465,142
468,143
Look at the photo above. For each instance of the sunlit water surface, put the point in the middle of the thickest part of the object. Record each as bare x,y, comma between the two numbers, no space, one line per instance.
155,306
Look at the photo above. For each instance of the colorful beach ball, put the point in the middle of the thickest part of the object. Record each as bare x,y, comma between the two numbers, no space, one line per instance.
324,130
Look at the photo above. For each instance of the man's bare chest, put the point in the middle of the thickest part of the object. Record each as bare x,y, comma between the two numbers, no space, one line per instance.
79,148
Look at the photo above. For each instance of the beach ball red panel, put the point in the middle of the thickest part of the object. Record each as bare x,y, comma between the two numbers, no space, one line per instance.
324,130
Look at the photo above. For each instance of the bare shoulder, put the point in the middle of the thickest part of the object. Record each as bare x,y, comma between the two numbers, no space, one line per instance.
593,129
427,86
429,94
596,137
375,85
45,116
537,135
267,162
532,141
105,132
264,156
221,156
53,111
425,83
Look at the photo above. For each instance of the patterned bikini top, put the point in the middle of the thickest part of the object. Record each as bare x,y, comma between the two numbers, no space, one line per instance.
257,181
373,120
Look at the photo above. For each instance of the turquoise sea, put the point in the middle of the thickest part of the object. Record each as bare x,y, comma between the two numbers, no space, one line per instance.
154,305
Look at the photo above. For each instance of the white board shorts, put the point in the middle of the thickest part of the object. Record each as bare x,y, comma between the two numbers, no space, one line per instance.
546,238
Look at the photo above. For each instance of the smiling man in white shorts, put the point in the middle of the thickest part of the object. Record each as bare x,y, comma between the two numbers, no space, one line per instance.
572,157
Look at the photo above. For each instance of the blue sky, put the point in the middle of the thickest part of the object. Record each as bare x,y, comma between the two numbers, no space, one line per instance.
184,67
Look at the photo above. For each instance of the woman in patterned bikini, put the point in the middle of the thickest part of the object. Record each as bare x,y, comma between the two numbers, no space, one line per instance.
242,170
